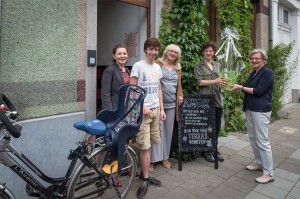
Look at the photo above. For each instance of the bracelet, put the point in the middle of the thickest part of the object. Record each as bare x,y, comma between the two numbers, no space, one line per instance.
242,89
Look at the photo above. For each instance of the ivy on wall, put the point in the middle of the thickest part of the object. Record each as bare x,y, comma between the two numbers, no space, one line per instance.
184,23
238,14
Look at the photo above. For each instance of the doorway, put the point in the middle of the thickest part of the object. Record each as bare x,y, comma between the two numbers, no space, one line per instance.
126,22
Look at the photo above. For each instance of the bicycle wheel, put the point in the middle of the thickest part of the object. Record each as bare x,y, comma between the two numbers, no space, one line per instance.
86,182
4,195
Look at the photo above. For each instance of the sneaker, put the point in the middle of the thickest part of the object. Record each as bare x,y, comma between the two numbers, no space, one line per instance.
151,180
264,179
254,167
220,157
209,156
141,192
154,181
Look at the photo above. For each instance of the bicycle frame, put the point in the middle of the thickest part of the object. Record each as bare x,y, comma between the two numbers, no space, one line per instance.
5,158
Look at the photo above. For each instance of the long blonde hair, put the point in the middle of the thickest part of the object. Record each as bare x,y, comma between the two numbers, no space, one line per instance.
176,48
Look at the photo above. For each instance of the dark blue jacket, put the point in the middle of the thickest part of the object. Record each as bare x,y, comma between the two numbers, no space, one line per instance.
262,84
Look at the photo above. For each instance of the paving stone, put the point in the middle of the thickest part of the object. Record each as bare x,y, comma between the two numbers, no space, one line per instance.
237,144
296,154
179,193
155,192
241,159
194,166
234,166
210,196
248,175
226,192
196,187
227,151
222,172
283,184
288,145
240,184
210,179
295,193
286,175
247,154
255,195
298,184
291,167
271,191
169,181
185,174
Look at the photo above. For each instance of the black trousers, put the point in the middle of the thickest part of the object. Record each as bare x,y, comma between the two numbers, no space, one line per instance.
218,118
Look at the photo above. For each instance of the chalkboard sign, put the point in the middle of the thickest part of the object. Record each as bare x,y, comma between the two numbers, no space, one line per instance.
196,127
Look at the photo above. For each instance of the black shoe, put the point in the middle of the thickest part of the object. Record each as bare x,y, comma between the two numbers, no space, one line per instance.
154,181
141,192
220,157
151,180
209,156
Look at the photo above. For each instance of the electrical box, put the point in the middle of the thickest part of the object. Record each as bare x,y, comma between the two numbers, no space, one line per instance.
91,57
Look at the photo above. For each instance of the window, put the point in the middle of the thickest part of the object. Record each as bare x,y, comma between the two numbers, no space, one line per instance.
286,16
283,15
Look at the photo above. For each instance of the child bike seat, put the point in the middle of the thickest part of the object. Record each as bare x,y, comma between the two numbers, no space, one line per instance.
92,127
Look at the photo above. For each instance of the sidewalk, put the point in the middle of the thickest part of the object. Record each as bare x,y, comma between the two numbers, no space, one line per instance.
199,179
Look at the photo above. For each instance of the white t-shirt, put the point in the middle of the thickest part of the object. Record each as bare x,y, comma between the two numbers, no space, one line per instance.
148,78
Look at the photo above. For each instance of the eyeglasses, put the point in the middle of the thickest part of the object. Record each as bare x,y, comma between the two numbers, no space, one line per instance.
255,58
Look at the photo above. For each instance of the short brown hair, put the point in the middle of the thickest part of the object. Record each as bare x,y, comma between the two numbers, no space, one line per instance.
151,42
209,44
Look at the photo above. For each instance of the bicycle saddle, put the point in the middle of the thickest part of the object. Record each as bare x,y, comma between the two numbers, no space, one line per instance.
92,127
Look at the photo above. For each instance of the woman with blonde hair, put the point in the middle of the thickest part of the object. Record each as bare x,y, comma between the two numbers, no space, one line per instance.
172,98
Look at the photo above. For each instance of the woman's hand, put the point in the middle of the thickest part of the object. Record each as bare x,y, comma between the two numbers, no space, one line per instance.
221,81
162,115
236,87
180,100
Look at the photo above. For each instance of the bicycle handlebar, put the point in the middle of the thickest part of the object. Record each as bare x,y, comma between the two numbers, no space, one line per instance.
5,120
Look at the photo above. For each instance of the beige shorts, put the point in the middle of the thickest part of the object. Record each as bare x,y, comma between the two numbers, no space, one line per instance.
149,130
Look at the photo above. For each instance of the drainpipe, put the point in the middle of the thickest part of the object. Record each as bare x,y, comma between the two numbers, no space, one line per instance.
270,24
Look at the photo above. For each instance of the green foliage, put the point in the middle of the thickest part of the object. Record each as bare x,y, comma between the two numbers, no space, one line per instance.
184,23
238,14
278,61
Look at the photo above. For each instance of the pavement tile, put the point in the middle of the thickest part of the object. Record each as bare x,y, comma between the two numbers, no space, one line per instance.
241,159
185,174
255,195
210,196
286,175
155,192
295,193
298,184
247,154
226,192
271,191
237,144
289,145
291,167
248,175
169,181
209,179
222,172
194,166
283,184
196,187
296,154
179,193
240,184
227,151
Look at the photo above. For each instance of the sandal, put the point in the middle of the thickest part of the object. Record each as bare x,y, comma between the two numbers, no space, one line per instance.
166,164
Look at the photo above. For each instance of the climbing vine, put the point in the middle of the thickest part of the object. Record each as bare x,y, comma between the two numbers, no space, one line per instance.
184,23
238,14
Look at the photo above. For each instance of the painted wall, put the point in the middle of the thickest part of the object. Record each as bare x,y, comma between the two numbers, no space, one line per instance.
46,142
39,63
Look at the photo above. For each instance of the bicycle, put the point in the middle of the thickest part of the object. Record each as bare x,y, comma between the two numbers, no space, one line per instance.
97,174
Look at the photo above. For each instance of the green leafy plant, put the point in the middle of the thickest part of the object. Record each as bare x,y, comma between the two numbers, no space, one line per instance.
278,61
184,23
237,14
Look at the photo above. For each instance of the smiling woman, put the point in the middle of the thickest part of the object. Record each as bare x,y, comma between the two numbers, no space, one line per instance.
113,77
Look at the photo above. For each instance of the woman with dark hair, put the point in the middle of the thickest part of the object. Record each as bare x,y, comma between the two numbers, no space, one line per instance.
114,76
210,82
258,107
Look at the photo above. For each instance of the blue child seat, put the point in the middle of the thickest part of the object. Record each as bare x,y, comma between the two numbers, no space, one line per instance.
119,125
124,122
